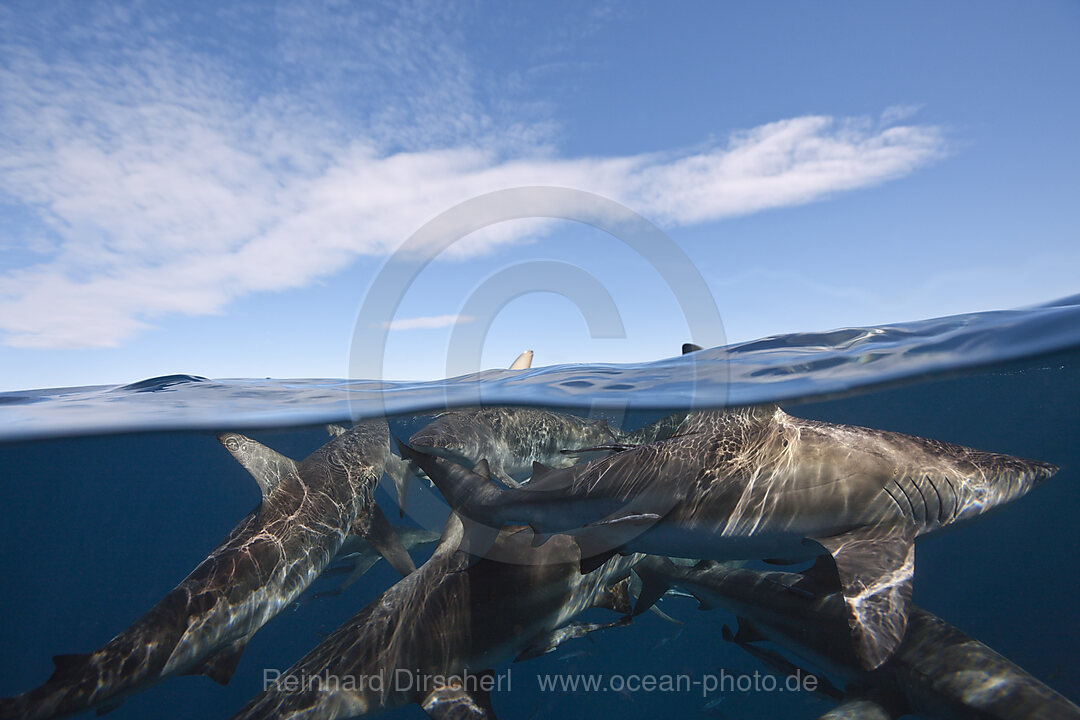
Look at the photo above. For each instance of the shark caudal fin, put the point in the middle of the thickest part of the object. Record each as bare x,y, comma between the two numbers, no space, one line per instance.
523,361
377,530
654,572
471,492
875,567
267,466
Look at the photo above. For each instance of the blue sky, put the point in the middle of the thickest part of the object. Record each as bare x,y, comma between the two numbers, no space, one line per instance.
205,190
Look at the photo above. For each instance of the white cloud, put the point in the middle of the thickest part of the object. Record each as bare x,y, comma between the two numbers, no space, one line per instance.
164,188
427,323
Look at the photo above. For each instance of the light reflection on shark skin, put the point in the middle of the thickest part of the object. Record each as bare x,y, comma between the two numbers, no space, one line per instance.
511,439
937,670
759,483
455,613
270,557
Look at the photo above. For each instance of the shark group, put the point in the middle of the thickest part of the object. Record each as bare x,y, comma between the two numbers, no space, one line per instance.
202,626
551,515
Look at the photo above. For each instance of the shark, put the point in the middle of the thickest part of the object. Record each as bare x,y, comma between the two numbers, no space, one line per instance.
512,439
357,555
937,670
756,482
459,432
203,625
425,638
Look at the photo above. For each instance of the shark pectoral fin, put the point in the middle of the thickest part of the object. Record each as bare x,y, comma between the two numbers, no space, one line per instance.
858,709
454,702
875,568
336,430
380,533
615,597
220,666
399,471
267,466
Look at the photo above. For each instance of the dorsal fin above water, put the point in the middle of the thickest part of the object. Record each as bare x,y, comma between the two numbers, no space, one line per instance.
267,466
688,348
523,361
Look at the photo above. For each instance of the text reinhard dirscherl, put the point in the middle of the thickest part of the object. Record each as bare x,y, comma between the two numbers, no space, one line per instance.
403,680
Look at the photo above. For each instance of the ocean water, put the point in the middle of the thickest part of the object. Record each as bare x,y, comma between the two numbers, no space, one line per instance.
111,495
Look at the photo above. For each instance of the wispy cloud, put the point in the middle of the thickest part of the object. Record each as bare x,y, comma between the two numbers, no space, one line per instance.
165,187
427,323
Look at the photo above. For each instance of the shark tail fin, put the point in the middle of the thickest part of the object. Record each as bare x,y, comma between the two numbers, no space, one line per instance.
471,492
267,466
382,536
655,582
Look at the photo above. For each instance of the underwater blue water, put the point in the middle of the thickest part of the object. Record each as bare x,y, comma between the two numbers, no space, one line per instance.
102,517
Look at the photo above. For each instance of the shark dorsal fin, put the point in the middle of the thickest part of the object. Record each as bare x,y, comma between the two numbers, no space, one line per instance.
523,361
539,470
267,466
482,469
336,430
688,348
